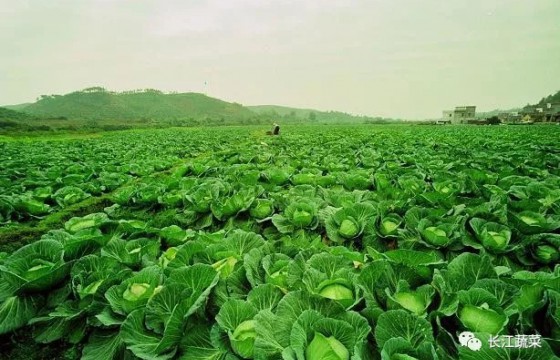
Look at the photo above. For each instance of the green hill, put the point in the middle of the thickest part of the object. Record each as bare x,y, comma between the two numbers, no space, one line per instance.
99,104
96,108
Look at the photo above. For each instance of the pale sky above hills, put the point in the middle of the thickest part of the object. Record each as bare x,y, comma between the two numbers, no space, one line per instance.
393,58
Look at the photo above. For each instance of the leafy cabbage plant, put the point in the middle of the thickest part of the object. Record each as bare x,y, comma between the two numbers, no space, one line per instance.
301,214
240,201
6,208
338,338
307,327
35,267
480,311
399,280
154,331
31,206
493,236
174,235
328,276
90,276
540,249
236,318
263,267
24,275
262,209
387,225
94,220
402,335
350,223
530,222
202,196
134,292
133,253
69,195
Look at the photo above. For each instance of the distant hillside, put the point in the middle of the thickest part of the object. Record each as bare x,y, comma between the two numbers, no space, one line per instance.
282,110
17,107
99,104
11,115
305,115
552,99
496,112
11,120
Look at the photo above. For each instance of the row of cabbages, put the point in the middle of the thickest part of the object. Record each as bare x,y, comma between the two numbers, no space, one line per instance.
522,219
40,177
121,287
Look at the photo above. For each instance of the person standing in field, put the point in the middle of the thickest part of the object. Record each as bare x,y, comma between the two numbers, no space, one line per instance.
275,130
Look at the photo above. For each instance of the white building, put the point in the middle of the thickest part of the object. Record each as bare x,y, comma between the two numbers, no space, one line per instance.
461,115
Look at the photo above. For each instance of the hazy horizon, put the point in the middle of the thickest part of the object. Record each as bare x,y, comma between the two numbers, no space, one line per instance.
390,58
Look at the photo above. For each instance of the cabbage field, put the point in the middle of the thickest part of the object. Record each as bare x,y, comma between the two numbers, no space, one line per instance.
324,243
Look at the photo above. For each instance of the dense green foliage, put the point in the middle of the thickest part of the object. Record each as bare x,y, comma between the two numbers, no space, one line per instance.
323,243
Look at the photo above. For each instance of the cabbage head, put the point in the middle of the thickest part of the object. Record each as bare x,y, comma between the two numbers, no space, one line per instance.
261,209
493,236
35,267
134,292
337,290
322,347
388,225
480,311
319,337
530,222
350,222
436,233
300,214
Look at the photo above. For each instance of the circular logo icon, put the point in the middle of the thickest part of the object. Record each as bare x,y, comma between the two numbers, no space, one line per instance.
468,339
474,344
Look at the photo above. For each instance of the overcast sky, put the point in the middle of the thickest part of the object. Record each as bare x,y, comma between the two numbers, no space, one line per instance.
394,58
